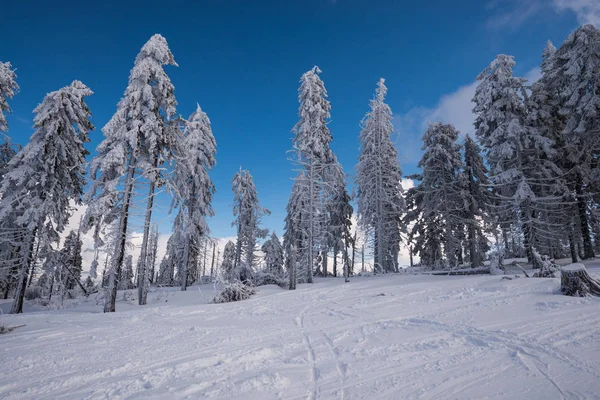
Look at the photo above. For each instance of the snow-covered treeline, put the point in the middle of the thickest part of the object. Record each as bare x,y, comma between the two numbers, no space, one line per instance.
527,183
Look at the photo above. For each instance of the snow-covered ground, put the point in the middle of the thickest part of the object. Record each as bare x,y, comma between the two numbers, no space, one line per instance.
384,337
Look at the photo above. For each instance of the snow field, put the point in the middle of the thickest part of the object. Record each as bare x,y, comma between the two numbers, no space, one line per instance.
383,337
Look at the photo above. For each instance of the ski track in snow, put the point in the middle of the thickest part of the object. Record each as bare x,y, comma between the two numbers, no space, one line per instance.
391,337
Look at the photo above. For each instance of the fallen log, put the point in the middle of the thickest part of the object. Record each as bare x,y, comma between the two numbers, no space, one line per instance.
7,329
575,281
466,271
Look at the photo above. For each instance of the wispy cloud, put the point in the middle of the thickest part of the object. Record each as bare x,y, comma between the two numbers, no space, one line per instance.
452,108
587,11
512,14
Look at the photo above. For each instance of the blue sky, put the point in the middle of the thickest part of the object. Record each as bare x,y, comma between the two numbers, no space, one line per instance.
241,61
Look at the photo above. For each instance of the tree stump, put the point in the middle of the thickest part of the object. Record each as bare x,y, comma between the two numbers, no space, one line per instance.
575,281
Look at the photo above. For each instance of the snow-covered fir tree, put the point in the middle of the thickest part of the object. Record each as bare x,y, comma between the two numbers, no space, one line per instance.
71,260
437,205
46,175
228,264
139,138
476,195
522,171
338,224
570,77
295,236
196,157
274,255
248,215
313,154
378,177
126,277
8,88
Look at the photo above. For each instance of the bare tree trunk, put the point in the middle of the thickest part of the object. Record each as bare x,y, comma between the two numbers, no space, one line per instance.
115,272
212,264
588,249
143,261
32,273
353,253
572,248
311,231
335,254
17,306
363,258
292,267
325,261
185,259
346,272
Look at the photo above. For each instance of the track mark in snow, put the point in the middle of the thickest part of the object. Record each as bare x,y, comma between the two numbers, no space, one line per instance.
520,352
311,354
340,366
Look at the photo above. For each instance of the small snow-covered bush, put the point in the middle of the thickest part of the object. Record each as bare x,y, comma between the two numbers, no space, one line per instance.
497,262
267,278
234,291
548,268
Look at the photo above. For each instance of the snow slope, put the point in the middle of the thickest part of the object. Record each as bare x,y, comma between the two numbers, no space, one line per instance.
389,337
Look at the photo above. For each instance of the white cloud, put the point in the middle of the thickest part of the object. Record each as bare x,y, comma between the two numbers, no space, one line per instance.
586,11
453,108
512,14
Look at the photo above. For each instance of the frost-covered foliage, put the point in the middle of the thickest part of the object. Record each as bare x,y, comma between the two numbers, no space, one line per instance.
46,175
313,154
248,215
296,229
521,157
262,278
8,88
71,260
228,264
437,204
234,291
547,266
195,158
140,136
568,98
477,201
378,177
274,257
338,224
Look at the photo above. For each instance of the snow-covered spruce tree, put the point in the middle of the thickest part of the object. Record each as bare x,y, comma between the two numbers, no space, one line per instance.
139,137
195,158
570,78
544,118
477,198
273,251
248,215
311,148
338,224
378,177
71,260
440,199
522,171
8,88
46,175
228,264
126,277
295,236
